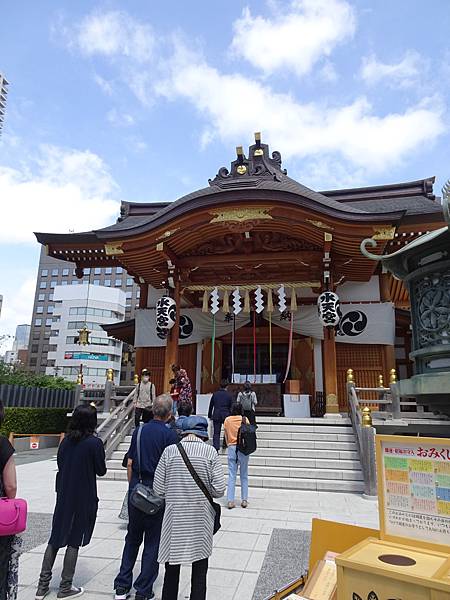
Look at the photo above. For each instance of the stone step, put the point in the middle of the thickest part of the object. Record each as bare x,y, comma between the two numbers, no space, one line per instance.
287,472
282,453
293,483
284,436
277,444
275,462
345,430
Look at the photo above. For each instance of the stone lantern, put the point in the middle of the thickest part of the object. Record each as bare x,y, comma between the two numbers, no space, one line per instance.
424,266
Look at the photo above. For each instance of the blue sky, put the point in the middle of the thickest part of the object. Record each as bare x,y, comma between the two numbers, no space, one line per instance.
144,101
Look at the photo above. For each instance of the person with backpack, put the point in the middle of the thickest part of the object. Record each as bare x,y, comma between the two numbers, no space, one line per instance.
236,458
143,396
247,398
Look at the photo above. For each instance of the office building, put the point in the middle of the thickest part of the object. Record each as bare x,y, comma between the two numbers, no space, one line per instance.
53,272
22,337
3,93
88,306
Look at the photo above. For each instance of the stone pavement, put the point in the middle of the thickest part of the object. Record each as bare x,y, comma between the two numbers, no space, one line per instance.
239,548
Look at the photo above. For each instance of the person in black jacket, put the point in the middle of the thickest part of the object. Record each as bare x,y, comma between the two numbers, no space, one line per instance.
81,458
219,410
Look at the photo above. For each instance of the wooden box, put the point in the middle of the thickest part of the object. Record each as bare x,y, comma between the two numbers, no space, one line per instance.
292,386
382,570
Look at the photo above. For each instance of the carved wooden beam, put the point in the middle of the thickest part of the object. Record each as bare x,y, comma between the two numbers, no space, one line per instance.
303,256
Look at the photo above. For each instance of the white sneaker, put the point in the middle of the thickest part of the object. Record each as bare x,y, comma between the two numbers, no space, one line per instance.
73,593
121,595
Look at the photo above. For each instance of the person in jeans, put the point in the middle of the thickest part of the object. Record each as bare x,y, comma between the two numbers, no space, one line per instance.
219,410
187,533
236,460
155,437
81,458
144,394
247,398
8,489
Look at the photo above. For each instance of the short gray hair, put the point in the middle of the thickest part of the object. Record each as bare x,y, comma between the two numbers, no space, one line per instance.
162,406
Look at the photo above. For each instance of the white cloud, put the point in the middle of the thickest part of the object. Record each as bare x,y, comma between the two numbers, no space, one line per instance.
119,119
354,131
328,73
105,85
114,33
63,190
404,73
295,38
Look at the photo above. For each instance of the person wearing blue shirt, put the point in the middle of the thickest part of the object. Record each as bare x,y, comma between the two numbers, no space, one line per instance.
219,410
155,437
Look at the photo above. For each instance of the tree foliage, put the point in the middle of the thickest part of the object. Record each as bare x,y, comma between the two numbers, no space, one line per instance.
16,375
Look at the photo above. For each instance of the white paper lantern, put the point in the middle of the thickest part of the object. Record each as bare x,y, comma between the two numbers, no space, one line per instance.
166,314
329,307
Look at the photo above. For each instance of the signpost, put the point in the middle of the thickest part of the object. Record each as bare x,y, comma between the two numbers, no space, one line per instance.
414,490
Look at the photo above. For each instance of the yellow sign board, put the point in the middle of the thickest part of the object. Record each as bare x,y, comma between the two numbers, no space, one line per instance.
414,490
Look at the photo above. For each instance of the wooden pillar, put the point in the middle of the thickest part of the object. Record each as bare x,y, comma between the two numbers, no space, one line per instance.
330,371
171,355
143,298
388,350
139,361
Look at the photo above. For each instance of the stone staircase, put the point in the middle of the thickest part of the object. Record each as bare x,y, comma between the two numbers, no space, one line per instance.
300,454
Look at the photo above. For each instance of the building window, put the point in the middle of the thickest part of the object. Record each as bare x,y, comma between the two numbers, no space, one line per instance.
97,271
43,285
65,272
118,283
33,362
38,322
128,295
52,348
44,272
138,294
74,282
63,282
39,310
48,322
129,282
36,335
87,271
41,297
53,284
50,297
50,309
55,272
55,332
107,282
45,348
43,362
119,270
96,282
108,270
35,348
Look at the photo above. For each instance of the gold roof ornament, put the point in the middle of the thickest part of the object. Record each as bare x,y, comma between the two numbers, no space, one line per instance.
113,249
366,420
319,224
240,215
383,233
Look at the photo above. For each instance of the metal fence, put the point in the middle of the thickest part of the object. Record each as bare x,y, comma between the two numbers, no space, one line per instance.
36,397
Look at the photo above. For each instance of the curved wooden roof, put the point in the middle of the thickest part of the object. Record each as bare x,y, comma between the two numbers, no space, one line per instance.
252,223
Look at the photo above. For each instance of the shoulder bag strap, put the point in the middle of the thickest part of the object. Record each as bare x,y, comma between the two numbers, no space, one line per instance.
138,443
194,474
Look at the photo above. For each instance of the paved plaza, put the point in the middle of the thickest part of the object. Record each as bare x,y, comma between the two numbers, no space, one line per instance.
240,547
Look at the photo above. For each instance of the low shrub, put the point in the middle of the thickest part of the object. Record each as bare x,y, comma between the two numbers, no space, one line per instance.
34,420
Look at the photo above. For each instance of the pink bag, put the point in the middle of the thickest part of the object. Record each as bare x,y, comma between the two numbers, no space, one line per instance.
13,516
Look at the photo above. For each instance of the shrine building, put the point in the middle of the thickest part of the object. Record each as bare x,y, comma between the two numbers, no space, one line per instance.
245,260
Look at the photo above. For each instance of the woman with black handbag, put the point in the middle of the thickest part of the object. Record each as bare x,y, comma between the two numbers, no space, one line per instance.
189,475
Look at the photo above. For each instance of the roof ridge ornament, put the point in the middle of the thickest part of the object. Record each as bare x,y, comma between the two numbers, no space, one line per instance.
249,171
446,200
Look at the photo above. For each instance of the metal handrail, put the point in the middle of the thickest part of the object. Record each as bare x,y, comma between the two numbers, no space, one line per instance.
365,439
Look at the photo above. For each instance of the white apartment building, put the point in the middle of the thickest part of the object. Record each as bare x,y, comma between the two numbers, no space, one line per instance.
74,307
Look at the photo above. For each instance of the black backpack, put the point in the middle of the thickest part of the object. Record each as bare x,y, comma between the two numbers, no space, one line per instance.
246,438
